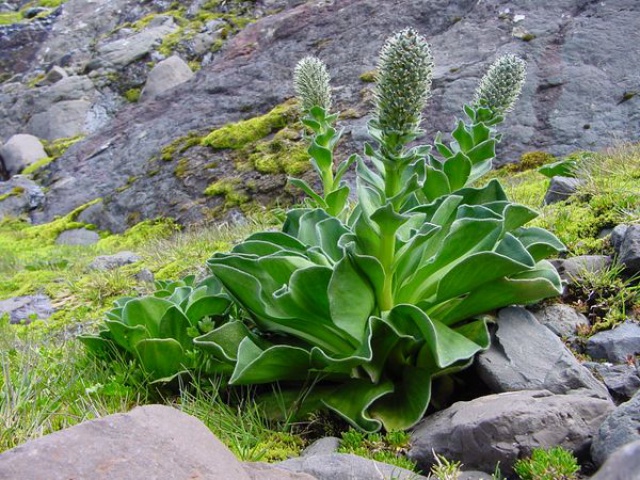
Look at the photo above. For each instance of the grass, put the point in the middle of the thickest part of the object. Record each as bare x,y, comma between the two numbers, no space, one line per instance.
47,382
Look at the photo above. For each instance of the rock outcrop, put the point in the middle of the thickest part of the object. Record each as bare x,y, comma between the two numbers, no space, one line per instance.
578,94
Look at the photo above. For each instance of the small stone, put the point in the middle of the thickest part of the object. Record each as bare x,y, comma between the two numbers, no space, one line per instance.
561,188
322,446
23,310
20,151
623,464
622,426
20,195
54,75
165,75
572,270
629,254
561,319
111,262
623,381
78,236
616,345
617,235
145,275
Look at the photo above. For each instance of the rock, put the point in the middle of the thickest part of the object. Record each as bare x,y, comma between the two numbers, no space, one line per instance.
615,345
26,309
20,151
121,53
540,362
265,471
252,73
148,442
145,275
342,465
623,464
322,446
166,75
561,188
78,236
629,253
617,235
507,426
111,262
623,381
561,319
622,426
19,196
572,270
55,74
61,120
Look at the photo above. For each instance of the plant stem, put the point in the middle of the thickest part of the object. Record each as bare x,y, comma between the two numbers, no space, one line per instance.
387,254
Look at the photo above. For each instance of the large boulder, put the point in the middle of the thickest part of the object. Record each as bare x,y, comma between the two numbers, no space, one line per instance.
621,427
154,441
623,464
165,75
20,151
540,362
23,310
18,196
507,426
616,345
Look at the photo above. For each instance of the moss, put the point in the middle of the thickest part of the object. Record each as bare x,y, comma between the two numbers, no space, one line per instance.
527,37
369,76
140,234
182,168
179,146
194,65
43,162
132,95
229,188
529,161
280,156
36,80
58,147
238,135
15,191
8,18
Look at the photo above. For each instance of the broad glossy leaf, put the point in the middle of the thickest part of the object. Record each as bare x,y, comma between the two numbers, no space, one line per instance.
306,188
436,184
457,170
174,324
352,400
224,341
162,358
322,156
539,243
337,200
146,311
463,137
126,336
276,363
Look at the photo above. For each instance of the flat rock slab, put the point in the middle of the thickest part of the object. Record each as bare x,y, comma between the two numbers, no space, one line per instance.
623,381
78,236
525,355
615,345
343,466
621,427
26,309
507,426
111,262
149,442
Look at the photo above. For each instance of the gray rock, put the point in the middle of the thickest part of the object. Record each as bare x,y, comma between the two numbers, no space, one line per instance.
111,262
617,235
265,471
54,75
561,319
78,236
572,270
615,345
322,446
145,275
148,442
623,464
342,465
561,188
21,195
20,151
507,426
629,254
252,73
165,75
26,309
622,426
623,381
127,50
540,362
63,119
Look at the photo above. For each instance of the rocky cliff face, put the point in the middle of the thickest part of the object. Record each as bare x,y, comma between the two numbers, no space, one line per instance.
580,92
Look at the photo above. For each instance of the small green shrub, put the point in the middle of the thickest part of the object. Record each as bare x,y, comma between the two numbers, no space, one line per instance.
553,464
132,95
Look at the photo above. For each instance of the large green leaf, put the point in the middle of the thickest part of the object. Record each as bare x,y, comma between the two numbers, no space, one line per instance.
162,358
146,311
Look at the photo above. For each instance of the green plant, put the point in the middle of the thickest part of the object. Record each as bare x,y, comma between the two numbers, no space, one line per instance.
445,469
389,448
370,305
548,464
158,330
